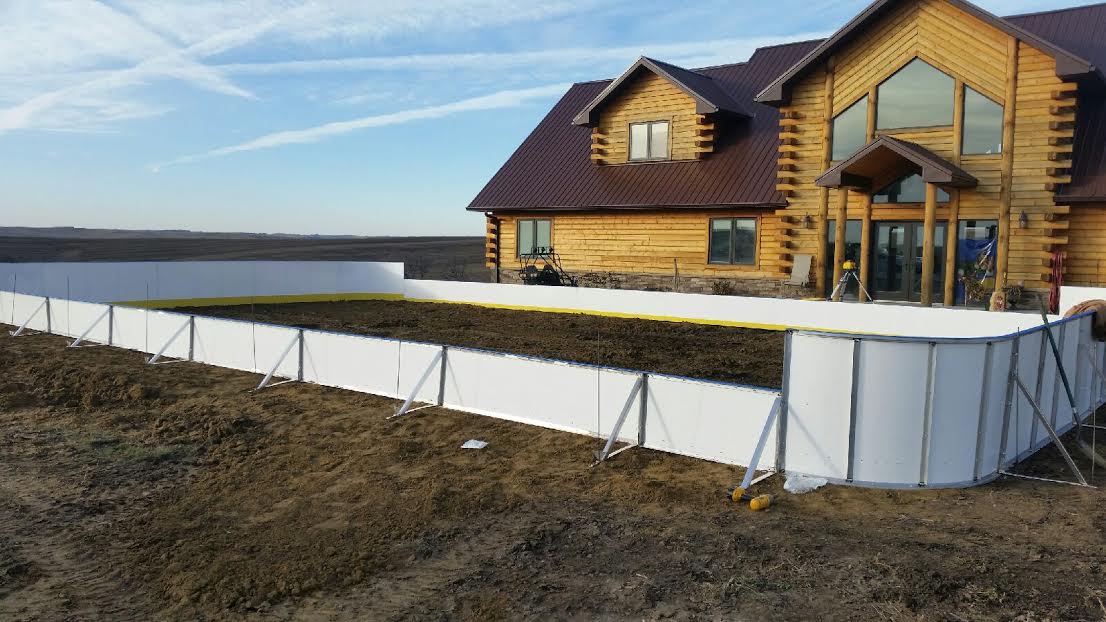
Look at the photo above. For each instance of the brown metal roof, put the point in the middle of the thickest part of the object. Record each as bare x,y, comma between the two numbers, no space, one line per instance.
552,168
1083,31
709,97
1069,65
859,169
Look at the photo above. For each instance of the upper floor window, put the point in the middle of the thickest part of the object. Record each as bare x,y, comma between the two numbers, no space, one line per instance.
982,124
534,237
649,141
909,189
733,241
918,95
850,130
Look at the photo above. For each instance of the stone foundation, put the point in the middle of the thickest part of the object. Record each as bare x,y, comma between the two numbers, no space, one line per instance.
764,288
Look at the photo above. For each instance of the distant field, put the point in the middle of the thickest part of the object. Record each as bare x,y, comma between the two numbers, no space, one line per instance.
450,258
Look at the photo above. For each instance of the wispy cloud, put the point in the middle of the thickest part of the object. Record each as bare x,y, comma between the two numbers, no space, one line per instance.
714,51
84,63
500,99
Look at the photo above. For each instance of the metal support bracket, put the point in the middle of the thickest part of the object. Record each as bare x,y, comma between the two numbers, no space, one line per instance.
298,339
23,327
1051,432
77,342
750,472
406,408
187,325
606,452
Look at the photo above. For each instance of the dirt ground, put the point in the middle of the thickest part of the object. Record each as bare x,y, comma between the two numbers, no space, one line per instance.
744,356
134,492
447,258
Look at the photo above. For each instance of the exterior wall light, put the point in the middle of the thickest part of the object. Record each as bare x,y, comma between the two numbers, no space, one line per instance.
1023,221
807,221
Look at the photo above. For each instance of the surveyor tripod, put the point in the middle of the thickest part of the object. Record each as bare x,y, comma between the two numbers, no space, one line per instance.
850,274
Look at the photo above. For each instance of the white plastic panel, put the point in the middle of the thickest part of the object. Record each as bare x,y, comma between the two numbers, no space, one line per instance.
87,317
414,360
7,304
709,421
997,392
226,343
551,394
29,310
890,412
351,362
819,391
1022,420
270,343
958,390
168,328
140,281
129,329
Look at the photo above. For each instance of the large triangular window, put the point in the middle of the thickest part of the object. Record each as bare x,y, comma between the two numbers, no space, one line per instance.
908,189
918,95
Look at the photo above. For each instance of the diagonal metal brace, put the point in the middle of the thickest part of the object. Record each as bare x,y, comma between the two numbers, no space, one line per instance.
439,357
768,424
1051,432
19,331
606,451
298,339
155,358
77,343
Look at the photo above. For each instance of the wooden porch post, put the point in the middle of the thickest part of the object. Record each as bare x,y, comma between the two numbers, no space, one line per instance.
842,220
823,193
1002,252
928,243
951,243
866,244
952,233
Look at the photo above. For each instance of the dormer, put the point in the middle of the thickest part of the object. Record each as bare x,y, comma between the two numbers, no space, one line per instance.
656,112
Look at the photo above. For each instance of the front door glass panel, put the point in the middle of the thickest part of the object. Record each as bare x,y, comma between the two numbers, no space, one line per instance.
897,257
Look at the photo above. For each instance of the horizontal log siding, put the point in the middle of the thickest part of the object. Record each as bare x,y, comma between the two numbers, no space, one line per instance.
641,242
648,97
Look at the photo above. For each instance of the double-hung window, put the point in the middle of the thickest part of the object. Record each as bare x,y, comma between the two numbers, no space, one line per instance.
649,141
534,237
733,241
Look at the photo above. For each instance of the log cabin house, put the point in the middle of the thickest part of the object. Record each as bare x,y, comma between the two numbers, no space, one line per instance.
955,156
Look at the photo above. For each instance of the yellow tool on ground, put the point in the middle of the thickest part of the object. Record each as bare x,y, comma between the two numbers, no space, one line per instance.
756,504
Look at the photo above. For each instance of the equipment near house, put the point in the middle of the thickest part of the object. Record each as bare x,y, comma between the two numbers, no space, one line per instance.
550,273
756,504
850,274
800,272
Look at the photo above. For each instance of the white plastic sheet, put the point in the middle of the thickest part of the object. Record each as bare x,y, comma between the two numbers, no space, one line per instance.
708,420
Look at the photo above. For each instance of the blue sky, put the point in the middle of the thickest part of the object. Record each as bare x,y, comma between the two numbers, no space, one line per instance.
334,117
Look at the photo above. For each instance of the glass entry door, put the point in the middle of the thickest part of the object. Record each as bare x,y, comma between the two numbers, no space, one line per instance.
897,258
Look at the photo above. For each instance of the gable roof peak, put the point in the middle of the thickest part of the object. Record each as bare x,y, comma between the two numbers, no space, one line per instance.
709,97
1068,66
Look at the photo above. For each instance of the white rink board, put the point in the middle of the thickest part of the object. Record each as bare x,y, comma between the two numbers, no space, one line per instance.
890,411
272,342
86,318
919,412
818,391
139,281
224,343
748,311
364,364
721,423
954,428
30,310
553,394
